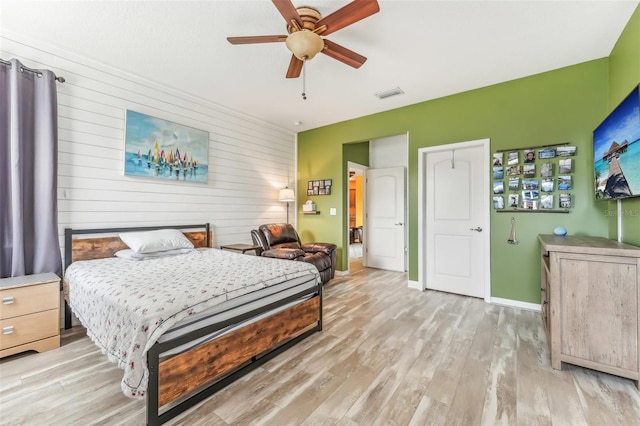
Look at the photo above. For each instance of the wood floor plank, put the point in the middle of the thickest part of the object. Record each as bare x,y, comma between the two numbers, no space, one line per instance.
501,396
388,355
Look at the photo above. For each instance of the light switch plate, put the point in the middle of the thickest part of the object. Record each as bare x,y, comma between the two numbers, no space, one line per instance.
332,211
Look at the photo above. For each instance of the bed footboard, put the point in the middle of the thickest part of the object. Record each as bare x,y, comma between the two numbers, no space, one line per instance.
216,364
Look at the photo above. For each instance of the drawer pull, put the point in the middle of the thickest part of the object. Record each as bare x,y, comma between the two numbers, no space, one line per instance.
7,330
8,300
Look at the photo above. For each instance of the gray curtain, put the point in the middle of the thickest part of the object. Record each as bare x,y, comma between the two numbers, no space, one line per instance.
28,172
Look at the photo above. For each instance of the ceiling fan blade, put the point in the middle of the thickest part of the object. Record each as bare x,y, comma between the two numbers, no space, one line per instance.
343,54
295,67
347,15
257,39
288,11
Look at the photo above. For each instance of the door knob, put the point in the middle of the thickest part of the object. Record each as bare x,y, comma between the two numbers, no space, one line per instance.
399,224
477,229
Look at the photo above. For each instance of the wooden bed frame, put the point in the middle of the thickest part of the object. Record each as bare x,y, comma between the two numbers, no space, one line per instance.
179,382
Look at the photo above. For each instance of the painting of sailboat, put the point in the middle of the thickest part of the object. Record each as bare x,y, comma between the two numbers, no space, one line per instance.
161,149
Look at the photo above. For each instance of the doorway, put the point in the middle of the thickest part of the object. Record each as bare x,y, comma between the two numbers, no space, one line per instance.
453,213
355,229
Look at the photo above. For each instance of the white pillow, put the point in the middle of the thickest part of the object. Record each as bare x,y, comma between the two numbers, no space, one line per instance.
132,255
153,241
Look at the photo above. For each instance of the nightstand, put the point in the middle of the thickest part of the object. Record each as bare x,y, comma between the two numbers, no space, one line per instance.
29,313
242,248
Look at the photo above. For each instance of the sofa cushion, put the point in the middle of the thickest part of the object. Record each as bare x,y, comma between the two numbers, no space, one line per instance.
284,253
320,260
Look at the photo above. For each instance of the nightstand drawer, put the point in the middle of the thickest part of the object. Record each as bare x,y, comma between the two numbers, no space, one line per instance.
28,299
28,328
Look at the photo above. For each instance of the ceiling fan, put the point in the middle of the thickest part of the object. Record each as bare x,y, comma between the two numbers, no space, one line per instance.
306,25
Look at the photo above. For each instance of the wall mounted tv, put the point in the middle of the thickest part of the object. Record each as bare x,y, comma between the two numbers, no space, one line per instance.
616,151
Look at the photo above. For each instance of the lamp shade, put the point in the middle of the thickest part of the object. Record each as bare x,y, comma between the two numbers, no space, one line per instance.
304,44
287,195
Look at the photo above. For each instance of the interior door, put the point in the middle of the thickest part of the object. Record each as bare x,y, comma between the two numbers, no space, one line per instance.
384,239
455,217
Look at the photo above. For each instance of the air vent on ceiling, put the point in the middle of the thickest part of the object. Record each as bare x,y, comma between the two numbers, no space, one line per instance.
388,93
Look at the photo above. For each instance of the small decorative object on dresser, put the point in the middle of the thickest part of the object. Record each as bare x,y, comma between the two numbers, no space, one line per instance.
590,303
29,313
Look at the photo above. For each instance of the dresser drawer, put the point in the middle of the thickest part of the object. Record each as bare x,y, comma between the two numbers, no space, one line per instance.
28,328
28,299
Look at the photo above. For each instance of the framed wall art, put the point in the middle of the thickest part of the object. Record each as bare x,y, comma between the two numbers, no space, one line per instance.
319,187
161,149
536,183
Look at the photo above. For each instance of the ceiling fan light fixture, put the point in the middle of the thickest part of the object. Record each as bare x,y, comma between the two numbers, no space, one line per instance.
304,44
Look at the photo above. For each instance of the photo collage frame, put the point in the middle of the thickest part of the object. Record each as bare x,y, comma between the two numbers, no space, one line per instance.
319,187
534,178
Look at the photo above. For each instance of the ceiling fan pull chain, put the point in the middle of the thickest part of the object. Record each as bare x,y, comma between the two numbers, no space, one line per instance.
304,80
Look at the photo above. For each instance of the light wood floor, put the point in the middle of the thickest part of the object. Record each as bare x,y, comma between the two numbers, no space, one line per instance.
388,355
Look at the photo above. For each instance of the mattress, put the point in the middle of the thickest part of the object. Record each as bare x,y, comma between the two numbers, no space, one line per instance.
127,306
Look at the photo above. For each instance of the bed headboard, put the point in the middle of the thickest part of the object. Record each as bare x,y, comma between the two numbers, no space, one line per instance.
94,247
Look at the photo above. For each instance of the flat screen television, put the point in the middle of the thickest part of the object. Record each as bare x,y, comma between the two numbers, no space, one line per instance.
616,151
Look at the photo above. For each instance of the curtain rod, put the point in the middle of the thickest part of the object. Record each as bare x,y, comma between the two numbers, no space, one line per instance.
36,72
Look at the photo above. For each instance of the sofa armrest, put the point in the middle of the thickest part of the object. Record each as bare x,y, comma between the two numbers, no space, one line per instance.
259,240
284,253
326,248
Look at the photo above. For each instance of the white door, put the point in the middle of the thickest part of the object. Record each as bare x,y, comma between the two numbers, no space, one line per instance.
456,240
384,239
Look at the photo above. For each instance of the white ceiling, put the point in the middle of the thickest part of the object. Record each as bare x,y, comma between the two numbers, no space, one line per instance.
429,49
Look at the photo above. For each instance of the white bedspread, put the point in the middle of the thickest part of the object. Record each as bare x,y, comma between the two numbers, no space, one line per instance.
126,305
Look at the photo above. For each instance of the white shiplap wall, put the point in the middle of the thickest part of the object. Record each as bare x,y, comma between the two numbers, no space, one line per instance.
249,160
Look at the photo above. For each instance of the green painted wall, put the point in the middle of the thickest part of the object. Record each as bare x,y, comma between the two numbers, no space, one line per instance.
624,74
563,105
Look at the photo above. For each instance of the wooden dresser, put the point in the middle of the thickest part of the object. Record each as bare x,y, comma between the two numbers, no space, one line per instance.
29,313
590,299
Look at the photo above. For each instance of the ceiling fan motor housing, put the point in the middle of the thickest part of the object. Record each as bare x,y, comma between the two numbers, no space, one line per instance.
309,16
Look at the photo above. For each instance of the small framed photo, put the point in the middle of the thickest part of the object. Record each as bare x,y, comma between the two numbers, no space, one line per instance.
565,166
513,200
547,153
529,170
529,156
497,158
546,201
564,183
565,201
498,172
513,158
514,184
498,202
547,185
514,170
546,170
498,187
565,151
530,184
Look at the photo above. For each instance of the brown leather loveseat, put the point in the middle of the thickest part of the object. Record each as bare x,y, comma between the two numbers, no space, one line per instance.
280,240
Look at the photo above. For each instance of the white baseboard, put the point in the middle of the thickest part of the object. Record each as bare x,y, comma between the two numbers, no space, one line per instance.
415,284
516,304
